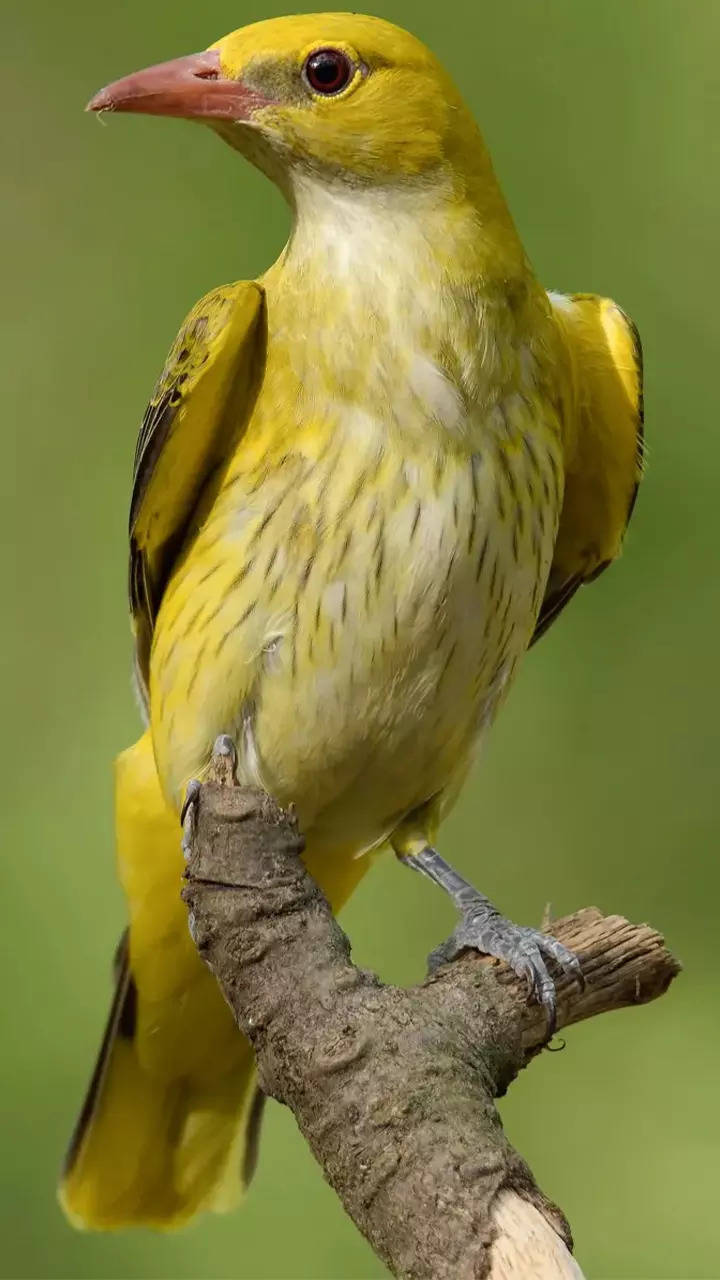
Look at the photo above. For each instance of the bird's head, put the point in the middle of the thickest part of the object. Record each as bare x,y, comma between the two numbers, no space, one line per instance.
337,95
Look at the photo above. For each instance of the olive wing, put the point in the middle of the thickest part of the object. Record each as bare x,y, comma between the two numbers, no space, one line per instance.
199,406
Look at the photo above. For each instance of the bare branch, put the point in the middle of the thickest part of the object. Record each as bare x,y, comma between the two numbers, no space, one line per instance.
394,1089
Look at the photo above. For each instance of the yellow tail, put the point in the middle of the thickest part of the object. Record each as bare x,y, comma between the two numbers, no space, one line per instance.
171,1120
152,1151
170,1123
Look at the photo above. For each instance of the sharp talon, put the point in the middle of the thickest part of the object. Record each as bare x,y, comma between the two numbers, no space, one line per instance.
482,928
191,795
568,962
187,817
525,950
551,1012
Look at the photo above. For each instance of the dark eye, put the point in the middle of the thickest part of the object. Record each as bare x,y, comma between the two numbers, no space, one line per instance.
328,70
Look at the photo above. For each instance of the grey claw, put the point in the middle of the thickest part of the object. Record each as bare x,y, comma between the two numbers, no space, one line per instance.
224,761
187,816
525,950
224,746
566,959
191,795
482,928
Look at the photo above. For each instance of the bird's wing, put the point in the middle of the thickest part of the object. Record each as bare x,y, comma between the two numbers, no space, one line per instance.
199,406
604,458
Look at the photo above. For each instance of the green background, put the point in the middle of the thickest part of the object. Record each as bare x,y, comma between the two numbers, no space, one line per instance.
601,778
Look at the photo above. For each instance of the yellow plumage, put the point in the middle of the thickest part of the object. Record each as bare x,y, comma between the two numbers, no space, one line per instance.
363,483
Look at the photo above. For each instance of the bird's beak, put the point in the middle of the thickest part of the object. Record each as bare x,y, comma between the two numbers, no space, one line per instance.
193,88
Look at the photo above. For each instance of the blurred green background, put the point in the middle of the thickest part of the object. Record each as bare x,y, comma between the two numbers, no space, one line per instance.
600,782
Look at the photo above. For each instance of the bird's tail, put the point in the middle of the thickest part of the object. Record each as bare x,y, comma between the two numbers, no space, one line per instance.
170,1123
171,1120
152,1151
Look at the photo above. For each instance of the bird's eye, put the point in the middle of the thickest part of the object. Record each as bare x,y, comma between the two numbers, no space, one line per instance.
327,71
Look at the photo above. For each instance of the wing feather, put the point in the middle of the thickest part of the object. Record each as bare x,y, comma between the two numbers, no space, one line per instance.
199,405
605,451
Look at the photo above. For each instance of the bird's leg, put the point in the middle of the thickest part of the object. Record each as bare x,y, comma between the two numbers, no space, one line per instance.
482,927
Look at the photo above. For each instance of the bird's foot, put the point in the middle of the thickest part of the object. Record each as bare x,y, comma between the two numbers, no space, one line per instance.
224,761
482,928
187,816
223,764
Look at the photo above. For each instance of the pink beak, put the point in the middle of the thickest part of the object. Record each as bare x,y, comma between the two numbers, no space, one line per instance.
192,88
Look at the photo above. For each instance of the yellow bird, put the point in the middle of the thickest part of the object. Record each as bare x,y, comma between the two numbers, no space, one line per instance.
365,482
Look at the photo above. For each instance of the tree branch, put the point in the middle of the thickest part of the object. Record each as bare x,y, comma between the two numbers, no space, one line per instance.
394,1089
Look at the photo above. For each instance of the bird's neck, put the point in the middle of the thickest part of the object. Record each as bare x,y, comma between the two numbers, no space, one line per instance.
381,285
374,233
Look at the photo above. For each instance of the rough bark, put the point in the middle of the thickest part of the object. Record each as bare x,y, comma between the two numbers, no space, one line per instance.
394,1089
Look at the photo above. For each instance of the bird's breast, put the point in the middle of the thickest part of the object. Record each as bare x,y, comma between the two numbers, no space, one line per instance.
353,608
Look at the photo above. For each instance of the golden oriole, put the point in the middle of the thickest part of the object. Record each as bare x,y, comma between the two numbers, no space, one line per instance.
363,484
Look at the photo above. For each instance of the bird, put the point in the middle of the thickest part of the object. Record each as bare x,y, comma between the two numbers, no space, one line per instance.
365,484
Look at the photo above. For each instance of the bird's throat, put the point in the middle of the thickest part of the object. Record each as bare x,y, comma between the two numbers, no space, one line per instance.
387,290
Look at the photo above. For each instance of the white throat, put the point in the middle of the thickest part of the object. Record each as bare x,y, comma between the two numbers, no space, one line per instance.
379,235
396,316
